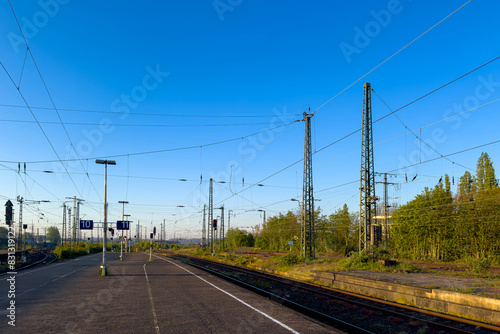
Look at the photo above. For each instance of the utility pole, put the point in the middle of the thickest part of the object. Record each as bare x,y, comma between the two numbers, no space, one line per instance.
20,233
229,219
123,218
221,228
204,231
77,220
105,223
73,231
211,216
307,191
69,224
367,207
385,229
64,224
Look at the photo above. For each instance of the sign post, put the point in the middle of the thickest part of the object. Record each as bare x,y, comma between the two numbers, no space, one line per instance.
122,225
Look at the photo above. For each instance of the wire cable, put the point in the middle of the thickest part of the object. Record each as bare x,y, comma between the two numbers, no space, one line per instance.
394,54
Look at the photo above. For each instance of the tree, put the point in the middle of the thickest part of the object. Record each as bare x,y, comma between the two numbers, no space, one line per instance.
339,231
277,231
466,186
239,238
424,228
485,173
53,235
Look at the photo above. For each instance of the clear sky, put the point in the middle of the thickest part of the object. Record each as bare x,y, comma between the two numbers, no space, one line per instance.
174,77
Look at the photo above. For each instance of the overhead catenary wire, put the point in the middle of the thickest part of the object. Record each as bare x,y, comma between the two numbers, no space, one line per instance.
419,137
157,151
148,114
52,102
390,57
135,124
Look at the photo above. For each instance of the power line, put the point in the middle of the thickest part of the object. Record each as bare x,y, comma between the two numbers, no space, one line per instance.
394,54
146,114
415,135
135,125
159,151
52,101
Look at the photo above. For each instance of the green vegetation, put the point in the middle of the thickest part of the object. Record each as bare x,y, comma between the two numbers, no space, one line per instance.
291,259
439,226
142,246
105,272
53,235
69,251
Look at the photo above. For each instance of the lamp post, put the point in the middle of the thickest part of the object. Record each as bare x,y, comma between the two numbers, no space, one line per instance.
123,218
105,224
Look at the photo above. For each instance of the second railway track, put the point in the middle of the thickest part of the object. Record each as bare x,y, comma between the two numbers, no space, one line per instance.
346,311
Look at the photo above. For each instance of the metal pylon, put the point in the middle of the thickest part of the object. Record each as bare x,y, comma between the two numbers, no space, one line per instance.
211,216
307,192
367,205
204,230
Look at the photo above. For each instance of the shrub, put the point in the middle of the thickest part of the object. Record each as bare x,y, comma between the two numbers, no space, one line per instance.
476,265
291,259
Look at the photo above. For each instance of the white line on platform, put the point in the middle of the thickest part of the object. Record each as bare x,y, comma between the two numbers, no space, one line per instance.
227,293
152,303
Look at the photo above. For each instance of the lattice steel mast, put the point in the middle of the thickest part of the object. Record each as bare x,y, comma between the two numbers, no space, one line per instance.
367,206
307,192
211,216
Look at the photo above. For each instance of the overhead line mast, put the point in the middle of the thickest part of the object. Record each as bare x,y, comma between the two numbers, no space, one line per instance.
307,192
367,201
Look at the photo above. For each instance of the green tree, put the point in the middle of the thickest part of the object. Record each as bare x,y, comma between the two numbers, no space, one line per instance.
424,228
239,238
466,186
53,235
485,173
277,231
339,233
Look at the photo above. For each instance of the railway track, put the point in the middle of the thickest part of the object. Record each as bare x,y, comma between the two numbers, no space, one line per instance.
345,311
32,259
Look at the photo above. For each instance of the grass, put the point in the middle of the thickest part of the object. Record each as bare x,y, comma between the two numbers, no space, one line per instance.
105,272
459,290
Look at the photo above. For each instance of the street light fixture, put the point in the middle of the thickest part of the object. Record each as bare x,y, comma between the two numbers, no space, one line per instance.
105,225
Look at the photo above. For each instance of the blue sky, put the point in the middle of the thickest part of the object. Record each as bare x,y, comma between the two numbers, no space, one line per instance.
134,77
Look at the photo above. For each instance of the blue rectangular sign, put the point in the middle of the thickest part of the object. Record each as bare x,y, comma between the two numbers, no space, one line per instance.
86,224
122,225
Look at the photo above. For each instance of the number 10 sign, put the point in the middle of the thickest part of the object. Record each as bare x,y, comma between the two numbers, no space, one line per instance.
86,224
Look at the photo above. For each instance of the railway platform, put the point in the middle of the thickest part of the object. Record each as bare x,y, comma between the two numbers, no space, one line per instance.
139,297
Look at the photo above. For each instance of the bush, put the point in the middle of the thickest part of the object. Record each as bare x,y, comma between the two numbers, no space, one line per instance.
291,259
476,265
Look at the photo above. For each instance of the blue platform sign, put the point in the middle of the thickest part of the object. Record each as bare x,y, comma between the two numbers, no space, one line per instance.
86,224
122,225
